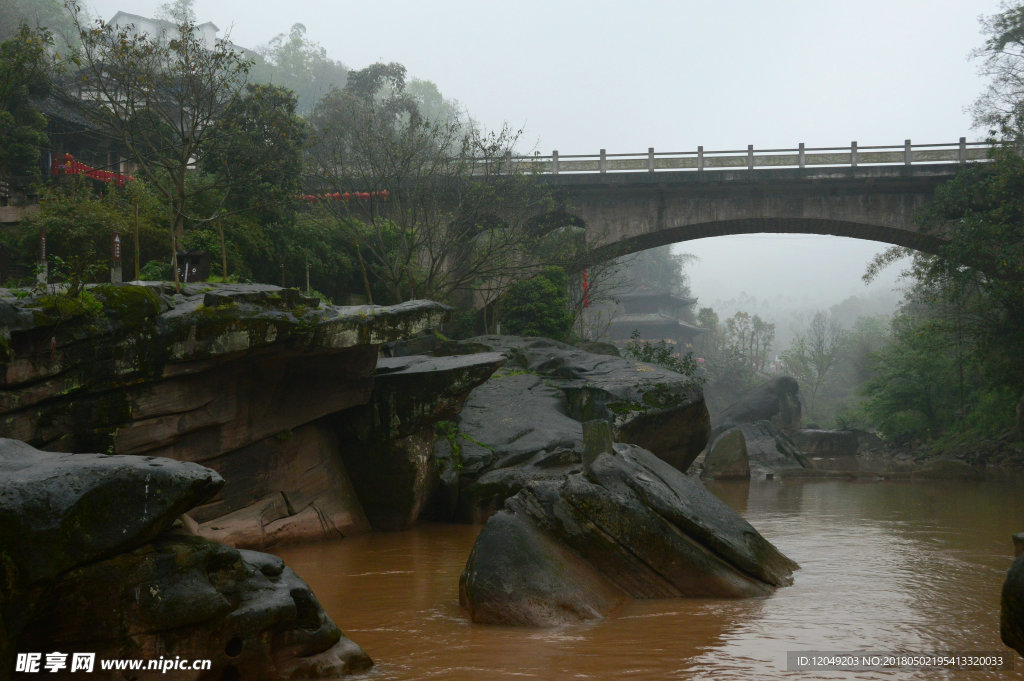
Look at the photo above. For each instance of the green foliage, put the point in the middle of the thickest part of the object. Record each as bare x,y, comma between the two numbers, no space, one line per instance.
463,325
1001,107
79,220
255,148
68,305
443,214
25,73
294,62
539,306
926,378
156,270
45,14
161,98
664,355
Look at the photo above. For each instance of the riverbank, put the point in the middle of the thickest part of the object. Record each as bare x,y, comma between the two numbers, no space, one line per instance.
994,457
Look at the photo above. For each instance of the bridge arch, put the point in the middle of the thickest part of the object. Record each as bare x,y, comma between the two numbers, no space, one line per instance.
769,225
629,212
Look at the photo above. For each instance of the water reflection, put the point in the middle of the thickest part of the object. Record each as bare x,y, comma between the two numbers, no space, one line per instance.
884,566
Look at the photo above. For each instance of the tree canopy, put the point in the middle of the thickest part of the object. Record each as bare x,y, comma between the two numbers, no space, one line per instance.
25,75
159,99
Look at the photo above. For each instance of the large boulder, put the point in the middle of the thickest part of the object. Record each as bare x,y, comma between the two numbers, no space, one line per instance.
1011,619
776,400
60,510
524,423
628,521
247,613
727,457
520,576
293,487
93,558
770,451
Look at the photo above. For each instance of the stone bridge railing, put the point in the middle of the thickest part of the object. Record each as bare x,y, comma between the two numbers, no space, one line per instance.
750,158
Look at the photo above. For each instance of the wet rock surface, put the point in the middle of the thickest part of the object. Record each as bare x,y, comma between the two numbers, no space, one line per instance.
770,450
1011,617
776,400
238,377
525,423
94,558
637,523
727,457
389,443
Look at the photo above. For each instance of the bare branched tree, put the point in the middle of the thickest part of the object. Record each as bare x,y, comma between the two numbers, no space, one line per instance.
1000,108
435,208
158,97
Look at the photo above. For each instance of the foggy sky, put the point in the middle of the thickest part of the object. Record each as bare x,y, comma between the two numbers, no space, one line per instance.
580,75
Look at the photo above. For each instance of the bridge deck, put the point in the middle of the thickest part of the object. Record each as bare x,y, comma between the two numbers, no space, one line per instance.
800,157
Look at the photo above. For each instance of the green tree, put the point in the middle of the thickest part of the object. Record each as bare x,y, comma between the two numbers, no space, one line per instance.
160,100
980,269
37,14
953,361
435,210
293,61
25,74
1000,108
80,221
255,150
431,104
814,356
926,379
539,306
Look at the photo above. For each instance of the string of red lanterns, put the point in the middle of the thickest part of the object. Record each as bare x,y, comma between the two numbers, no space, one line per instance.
346,196
67,165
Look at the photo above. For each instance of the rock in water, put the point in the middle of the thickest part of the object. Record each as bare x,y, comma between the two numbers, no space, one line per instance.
191,597
521,576
727,457
776,400
91,559
632,524
769,449
1011,620
524,423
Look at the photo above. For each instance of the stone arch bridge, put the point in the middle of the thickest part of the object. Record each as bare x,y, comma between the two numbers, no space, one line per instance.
632,202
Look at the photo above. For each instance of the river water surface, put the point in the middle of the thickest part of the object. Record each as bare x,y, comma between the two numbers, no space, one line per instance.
885,567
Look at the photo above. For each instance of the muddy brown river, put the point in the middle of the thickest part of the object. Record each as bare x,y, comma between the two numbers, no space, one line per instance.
885,567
